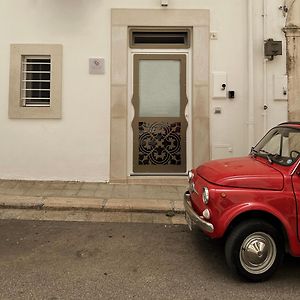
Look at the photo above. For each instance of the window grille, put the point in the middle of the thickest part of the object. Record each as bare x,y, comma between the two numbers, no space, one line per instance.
36,81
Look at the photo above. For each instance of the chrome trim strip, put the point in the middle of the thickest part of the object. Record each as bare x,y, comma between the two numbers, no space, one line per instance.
295,168
190,176
196,219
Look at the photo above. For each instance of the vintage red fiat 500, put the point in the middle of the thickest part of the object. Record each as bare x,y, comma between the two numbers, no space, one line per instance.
253,202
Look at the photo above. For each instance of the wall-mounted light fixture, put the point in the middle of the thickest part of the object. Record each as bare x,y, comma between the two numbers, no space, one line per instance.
164,3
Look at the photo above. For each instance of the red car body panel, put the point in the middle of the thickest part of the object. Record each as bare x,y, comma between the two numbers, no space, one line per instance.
240,185
244,172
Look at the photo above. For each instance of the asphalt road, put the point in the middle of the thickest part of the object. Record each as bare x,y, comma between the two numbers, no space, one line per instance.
77,260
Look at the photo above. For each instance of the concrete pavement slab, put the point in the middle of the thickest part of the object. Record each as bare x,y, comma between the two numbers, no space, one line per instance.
74,196
69,193
178,219
106,193
8,184
86,193
57,185
34,192
90,186
117,204
20,201
142,218
150,204
73,203
73,185
161,219
178,206
122,217
89,216
120,191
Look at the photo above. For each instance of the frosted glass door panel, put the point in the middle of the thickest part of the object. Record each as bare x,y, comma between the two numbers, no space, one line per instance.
159,88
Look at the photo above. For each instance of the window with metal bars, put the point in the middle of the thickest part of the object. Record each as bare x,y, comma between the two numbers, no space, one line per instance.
35,84
36,81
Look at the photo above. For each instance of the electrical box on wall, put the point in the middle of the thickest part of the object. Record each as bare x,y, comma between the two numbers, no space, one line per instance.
280,87
273,48
219,85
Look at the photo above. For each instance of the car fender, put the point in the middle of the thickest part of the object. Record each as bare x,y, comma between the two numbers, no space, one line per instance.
230,215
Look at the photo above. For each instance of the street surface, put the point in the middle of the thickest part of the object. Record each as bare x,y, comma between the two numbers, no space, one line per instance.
86,260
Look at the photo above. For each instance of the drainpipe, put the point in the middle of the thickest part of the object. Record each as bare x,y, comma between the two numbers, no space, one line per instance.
250,77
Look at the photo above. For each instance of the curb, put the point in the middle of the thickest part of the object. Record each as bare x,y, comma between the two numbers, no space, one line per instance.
170,207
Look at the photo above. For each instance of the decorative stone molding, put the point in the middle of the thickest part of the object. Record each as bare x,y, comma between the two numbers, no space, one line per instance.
121,20
292,33
293,17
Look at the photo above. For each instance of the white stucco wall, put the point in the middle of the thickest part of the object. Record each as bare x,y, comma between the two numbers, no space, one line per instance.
76,147
274,23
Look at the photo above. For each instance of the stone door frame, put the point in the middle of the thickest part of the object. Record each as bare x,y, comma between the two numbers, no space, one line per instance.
121,20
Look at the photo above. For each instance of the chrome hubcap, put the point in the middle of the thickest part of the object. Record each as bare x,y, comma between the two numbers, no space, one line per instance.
258,253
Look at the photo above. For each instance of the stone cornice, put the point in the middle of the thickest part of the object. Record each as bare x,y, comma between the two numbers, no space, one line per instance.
292,31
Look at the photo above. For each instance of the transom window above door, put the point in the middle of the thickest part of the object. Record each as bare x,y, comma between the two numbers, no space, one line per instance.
160,37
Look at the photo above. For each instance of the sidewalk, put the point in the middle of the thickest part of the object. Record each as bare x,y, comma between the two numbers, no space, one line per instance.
102,197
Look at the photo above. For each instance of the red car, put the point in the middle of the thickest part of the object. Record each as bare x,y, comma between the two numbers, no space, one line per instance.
253,202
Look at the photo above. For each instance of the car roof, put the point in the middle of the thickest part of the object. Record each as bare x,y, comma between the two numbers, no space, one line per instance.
290,124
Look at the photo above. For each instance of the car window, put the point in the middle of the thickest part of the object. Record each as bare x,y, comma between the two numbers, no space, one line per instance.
280,145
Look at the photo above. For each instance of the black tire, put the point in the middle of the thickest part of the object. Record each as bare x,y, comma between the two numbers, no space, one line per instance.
254,249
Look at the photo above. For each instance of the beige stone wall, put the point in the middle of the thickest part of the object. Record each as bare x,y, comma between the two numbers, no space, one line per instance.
292,31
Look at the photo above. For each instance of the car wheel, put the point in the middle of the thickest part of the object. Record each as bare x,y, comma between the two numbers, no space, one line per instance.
254,250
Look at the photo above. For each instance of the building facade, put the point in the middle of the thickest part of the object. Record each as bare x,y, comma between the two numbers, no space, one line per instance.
128,91
292,32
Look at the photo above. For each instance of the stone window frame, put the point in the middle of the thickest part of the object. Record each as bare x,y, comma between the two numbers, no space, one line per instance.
123,19
16,110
